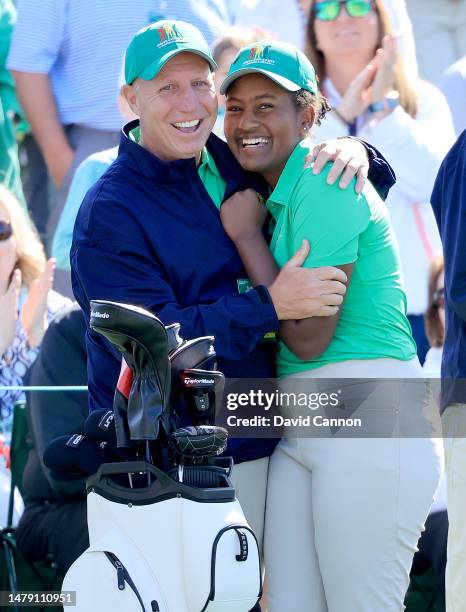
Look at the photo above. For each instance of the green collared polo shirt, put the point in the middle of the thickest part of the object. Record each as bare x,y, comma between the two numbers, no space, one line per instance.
208,172
343,228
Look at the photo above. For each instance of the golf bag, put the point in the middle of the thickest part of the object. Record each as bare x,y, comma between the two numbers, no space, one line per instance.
171,538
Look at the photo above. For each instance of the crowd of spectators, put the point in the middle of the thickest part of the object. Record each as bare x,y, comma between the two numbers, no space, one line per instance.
61,112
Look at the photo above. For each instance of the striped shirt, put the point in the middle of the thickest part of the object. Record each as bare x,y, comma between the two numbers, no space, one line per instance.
81,44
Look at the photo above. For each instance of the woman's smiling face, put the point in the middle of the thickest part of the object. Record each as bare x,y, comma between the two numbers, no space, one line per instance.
262,125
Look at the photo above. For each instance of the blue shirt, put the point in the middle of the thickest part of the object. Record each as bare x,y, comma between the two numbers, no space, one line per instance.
81,45
85,176
449,204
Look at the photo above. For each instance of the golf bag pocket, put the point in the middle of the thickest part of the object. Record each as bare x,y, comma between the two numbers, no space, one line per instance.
103,582
234,576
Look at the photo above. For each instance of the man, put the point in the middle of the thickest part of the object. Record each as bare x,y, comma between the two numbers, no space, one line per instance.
149,233
449,204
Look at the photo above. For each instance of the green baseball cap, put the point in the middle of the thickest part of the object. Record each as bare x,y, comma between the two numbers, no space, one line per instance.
153,46
281,62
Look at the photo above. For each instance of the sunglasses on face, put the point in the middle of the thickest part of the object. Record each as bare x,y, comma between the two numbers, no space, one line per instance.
330,9
6,230
438,299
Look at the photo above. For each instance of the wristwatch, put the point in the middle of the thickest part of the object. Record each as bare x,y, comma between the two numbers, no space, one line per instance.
388,103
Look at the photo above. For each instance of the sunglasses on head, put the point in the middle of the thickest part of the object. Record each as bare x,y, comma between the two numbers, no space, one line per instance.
6,231
438,299
330,9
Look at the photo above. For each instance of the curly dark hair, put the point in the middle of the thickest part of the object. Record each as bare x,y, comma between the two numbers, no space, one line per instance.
305,99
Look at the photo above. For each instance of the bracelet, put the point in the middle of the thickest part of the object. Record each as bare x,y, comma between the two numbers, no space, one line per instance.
388,103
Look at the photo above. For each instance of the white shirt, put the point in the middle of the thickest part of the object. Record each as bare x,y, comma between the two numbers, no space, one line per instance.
453,85
415,149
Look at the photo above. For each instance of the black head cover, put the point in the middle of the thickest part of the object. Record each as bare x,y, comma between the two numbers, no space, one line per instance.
199,442
76,456
143,341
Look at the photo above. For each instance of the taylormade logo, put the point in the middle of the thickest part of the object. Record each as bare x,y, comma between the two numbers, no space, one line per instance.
100,315
198,381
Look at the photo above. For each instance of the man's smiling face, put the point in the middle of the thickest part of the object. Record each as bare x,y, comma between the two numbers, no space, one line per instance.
177,108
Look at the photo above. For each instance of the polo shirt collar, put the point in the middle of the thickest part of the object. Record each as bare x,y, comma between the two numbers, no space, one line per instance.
149,165
208,160
289,177
218,156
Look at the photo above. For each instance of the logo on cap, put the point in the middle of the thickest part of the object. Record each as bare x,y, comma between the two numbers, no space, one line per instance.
169,33
259,53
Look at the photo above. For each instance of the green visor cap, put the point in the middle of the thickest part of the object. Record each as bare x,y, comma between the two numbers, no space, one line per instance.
153,46
281,62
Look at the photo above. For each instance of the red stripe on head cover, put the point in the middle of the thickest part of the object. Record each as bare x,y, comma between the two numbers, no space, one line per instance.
125,380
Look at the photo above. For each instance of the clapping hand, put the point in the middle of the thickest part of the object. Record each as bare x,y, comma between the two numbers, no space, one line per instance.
384,62
373,83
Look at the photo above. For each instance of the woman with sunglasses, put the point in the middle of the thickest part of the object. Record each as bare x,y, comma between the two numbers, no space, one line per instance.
27,302
344,512
354,51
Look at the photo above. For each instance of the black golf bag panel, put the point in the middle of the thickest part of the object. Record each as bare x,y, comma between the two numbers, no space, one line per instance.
172,539
171,547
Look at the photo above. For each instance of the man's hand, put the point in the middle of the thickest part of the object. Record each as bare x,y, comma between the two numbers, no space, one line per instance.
299,293
349,158
9,312
34,312
243,214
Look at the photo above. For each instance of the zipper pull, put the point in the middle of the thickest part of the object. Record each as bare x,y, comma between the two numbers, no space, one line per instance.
120,575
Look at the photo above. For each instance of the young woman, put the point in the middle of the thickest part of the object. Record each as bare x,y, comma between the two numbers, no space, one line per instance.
354,51
343,514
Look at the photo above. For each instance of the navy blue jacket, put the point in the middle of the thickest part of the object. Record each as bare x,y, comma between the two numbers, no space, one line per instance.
449,204
147,233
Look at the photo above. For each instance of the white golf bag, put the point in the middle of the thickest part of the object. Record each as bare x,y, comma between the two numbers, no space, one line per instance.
170,547
163,541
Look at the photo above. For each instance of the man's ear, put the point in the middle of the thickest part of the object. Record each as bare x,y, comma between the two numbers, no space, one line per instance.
130,95
307,121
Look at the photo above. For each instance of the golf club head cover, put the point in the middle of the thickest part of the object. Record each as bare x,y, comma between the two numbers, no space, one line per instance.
174,338
200,441
193,354
76,456
203,391
143,341
100,426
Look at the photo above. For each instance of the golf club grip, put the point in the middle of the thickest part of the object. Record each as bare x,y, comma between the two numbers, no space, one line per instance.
131,467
